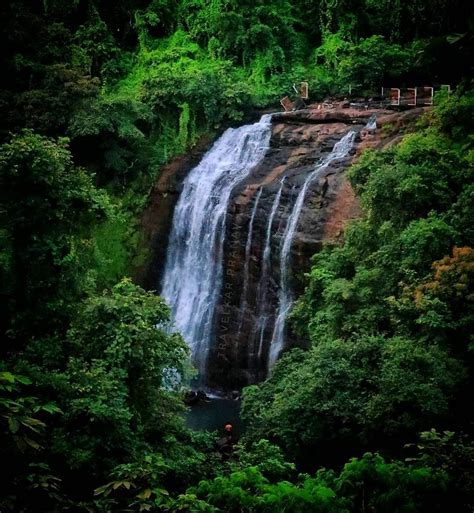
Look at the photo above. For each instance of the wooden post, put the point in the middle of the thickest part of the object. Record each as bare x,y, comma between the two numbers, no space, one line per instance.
413,97
428,98
304,90
286,103
394,96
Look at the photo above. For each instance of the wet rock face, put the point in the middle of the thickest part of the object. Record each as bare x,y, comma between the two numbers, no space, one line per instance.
255,224
299,141
158,216
241,353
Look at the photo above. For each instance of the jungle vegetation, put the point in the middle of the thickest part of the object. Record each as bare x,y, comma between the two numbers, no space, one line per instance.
95,96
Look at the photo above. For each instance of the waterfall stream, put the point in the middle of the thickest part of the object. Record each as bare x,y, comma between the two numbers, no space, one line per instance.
262,288
285,298
371,123
193,271
248,249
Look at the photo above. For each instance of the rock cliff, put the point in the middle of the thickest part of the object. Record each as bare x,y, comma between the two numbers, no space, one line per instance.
256,221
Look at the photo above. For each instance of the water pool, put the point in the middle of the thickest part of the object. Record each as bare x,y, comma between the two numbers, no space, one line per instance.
213,414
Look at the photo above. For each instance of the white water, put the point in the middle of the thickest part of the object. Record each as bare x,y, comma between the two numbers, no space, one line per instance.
248,249
262,287
285,297
372,123
193,271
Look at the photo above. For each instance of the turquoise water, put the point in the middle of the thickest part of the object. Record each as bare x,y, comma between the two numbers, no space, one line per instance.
214,414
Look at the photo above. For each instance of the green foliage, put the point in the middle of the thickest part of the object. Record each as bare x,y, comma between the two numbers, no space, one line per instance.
48,205
23,430
267,458
454,115
142,484
244,31
179,72
112,255
452,452
48,107
343,65
372,483
121,378
440,307
349,392
387,312
94,46
120,150
20,412
117,377
421,175
366,484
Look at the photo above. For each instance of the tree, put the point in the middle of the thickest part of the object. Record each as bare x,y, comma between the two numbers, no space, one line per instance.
441,305
48,205
346,395
119,390
23,434
369,483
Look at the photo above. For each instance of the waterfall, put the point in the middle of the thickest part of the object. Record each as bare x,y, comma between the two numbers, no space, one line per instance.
248,248
371,125
193,271
262,287
285,298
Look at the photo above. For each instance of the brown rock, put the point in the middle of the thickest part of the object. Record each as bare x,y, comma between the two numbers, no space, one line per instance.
299,141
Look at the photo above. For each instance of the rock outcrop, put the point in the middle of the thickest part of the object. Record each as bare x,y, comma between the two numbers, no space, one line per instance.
158,216
256,222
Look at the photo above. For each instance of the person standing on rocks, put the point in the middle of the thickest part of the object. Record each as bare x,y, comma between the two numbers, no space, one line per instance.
225,445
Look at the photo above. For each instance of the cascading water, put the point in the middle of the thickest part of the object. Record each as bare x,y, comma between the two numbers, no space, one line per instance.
262,288
193,271
372,123
285,298
248,249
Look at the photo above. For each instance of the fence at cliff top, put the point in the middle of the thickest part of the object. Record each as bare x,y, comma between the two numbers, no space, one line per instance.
389,97
409,97
193,272
403,97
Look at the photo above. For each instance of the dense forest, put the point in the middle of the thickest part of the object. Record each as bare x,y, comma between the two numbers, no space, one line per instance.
376,414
